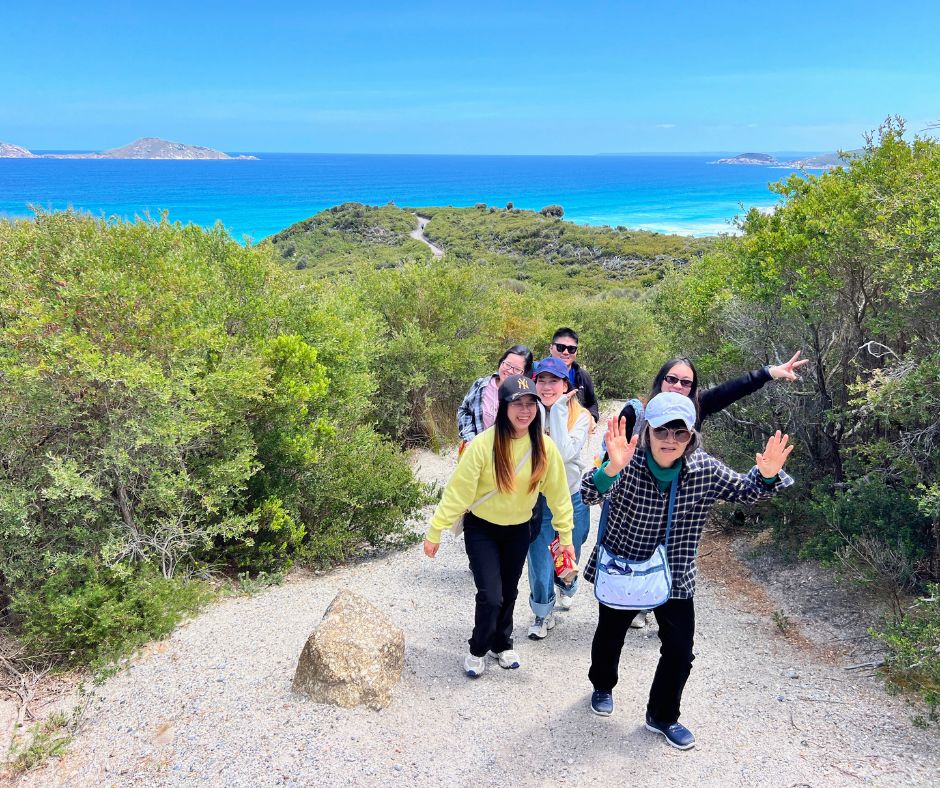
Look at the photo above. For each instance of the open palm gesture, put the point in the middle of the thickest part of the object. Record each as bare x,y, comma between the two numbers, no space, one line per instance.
770,461
620,448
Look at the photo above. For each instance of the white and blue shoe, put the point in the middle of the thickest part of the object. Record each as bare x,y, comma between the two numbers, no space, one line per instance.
473,666
508,659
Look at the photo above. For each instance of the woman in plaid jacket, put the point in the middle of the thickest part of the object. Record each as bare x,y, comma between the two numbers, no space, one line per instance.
636,482
477,410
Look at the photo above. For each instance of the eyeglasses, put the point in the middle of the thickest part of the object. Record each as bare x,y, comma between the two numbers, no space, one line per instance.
510,368
561,347
672,380
680,435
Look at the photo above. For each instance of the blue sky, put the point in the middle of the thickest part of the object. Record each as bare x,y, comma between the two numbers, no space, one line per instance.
470,77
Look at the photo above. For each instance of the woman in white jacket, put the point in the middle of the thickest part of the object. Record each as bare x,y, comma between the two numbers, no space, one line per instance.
568,424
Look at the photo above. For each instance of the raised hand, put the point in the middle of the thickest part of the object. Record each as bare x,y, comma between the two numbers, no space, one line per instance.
788,371
770,461
620,448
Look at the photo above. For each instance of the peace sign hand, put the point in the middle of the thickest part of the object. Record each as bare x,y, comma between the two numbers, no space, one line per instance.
787,371
770,461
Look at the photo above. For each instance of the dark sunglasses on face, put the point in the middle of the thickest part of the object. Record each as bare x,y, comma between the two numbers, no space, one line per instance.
561,347
680,435
672,380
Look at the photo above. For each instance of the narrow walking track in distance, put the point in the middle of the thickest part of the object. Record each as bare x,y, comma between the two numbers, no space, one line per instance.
418,235
212,705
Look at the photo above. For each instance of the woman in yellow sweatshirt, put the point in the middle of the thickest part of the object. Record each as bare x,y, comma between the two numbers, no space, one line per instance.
496,483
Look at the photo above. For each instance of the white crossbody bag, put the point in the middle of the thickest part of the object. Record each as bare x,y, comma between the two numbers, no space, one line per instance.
635,585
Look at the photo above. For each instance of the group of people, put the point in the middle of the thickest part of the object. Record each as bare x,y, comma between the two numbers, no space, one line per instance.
522,481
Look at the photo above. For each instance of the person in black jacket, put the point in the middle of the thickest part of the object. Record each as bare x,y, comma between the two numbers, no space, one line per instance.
679,375
565,346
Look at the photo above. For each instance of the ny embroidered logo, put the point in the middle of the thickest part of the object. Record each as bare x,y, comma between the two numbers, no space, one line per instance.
523,383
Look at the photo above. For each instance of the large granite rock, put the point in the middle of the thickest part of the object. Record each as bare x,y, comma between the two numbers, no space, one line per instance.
355,656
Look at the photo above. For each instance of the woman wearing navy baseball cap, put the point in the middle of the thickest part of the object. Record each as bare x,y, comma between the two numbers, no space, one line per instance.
568,424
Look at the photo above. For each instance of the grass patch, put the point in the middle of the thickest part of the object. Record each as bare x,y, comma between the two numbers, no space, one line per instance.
46,739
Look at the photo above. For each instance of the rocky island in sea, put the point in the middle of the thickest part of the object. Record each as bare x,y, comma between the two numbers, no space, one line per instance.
821,162
144,148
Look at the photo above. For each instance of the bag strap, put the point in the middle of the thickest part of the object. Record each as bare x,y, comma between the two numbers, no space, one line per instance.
672,505
491,493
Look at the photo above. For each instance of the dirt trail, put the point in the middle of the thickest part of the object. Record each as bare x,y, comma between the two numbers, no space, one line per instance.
212,704
418,235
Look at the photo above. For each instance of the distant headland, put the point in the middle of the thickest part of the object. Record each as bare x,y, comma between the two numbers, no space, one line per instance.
821,162
144,148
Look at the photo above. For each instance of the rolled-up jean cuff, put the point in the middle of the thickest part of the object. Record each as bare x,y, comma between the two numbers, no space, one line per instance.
542,609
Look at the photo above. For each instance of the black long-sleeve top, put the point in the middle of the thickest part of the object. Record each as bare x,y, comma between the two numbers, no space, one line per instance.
720,397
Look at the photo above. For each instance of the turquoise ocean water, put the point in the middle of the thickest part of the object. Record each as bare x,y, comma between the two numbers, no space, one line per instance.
685,194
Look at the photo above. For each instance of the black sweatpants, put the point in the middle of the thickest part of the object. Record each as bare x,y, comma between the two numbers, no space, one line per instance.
497,554
676,619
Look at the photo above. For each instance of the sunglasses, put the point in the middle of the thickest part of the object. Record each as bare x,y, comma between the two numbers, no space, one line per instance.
672,380
680,435
561,347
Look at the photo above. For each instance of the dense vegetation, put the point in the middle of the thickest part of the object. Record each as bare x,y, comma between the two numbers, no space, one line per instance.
506,278
350,237
542,249
176,406
849,271
173,404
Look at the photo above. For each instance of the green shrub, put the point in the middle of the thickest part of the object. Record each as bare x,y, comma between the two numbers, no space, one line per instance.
89,613
365,495
623,346
913,643
269,544
871,508
170,399
442,326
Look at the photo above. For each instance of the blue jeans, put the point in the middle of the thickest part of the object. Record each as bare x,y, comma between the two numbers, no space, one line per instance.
542,580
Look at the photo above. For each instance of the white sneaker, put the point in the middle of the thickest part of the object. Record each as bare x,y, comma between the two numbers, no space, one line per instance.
565,602
639,621
508,659
473,666
540,627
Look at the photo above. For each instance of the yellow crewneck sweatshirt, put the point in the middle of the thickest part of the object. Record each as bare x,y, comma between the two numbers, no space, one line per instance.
475,476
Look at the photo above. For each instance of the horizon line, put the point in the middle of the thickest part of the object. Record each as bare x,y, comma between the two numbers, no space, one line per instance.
412,153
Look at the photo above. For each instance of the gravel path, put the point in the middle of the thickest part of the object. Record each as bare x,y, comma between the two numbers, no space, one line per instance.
418,235
212,704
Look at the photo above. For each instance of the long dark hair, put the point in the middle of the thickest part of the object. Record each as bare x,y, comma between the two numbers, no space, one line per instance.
664,370
502,451
519,350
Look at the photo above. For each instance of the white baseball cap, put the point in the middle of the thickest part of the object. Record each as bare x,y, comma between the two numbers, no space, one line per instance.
670,406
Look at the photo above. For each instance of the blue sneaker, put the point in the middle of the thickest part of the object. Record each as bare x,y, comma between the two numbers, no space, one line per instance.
602,703
676,734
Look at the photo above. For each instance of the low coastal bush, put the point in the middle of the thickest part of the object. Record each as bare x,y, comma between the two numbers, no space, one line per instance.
170,400
441,326
845,270
87,613
913,661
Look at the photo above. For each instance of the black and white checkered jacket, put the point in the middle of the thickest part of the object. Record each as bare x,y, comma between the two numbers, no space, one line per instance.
637,520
